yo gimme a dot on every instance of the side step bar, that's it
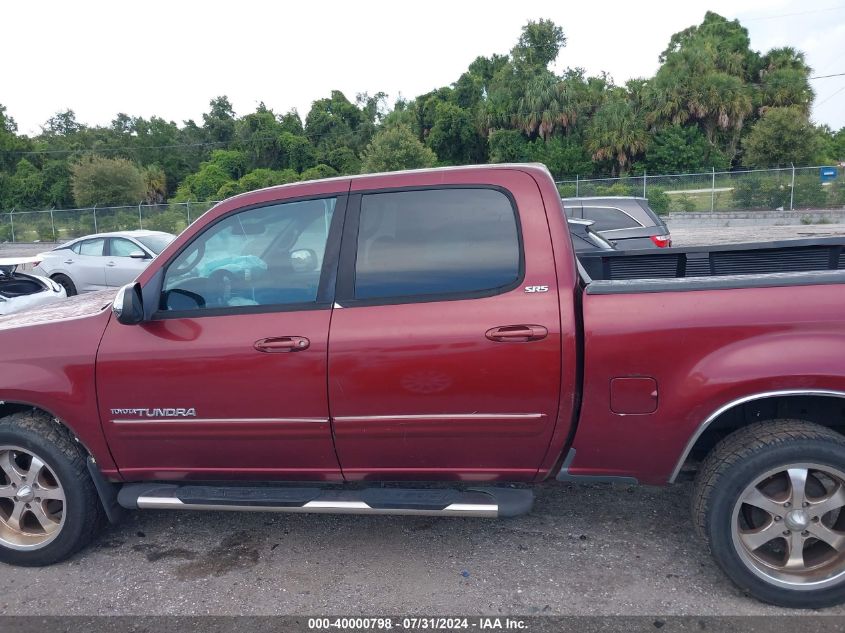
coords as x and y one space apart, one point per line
478 502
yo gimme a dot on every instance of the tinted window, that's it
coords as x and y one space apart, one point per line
267 256
607 219
76 247
92 247
123 248
434 242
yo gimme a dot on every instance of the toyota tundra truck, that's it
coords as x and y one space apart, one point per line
427 343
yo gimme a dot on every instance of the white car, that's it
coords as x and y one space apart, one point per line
105 260
21 291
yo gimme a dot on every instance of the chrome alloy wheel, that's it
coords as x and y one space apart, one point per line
788 526
32 500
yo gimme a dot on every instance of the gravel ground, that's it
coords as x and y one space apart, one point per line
585 550
596 549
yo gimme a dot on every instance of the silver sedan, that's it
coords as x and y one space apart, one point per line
105 260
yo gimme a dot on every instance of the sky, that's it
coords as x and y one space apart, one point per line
169 58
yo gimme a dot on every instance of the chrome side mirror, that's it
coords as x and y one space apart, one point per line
128 306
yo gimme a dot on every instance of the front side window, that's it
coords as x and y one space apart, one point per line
261 257
609 218
436 242
92 247
124 248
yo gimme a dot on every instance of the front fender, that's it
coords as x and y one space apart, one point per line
47 359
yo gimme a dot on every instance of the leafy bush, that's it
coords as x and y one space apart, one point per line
566 191
171 221
809 193
317 172
658 199
756 192
684 203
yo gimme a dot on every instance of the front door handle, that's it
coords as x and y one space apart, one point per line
517 333
111 264
282 344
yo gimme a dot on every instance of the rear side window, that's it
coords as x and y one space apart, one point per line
436 242
92 247
609 218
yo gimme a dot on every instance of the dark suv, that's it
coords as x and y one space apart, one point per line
626 222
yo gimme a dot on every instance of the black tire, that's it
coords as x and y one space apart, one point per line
83 514
65 282
735 464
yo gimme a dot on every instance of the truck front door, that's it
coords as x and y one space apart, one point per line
445 346
228 380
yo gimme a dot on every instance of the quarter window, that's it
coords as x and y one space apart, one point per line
261 257
436 242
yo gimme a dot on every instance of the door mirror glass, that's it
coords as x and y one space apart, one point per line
128 307
138 255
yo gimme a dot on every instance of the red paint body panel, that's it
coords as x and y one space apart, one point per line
47 360
258 415
410 384
705 349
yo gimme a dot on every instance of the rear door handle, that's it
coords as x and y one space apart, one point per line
68 261
517 333
277 344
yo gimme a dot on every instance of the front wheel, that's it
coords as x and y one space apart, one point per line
770 500
49 507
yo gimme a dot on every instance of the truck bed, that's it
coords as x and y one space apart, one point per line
737 265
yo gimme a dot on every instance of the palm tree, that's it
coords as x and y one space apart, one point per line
617 133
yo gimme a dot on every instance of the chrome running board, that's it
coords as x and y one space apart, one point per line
477 502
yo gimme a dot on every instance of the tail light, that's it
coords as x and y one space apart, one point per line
662 241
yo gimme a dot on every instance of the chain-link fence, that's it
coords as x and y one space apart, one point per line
59 225
789 189
786 189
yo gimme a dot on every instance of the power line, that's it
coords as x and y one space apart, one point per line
826 76
828 98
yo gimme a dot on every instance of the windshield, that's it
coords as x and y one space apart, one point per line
156 243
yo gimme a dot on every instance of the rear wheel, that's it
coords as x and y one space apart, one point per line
49 508
770 500
65 282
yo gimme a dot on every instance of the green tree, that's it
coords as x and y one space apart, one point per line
783 136
539 45
454 138
23 188
106 182
616 133
682 149
219 121
394 149
508 146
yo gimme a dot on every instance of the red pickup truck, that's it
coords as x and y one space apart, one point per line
328 346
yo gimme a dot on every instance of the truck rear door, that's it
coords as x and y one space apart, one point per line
445 346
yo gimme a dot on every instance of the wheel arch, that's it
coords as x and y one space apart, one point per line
7 407
822 406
